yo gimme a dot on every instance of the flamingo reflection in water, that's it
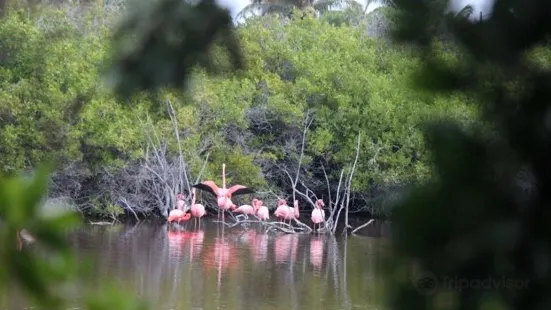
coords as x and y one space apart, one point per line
247 238
196 240
176 241
285 248
260 248
257 244
316 253
220 256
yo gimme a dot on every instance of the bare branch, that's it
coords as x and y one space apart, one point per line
202 168
349 185
181 157
363 226
125 202
327 182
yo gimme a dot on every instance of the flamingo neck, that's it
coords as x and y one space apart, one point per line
224 176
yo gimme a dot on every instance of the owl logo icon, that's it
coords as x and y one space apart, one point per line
426 283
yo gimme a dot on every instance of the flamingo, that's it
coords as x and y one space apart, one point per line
223 194
178 215
262 212
197 209
295 209
283 211
247 209
318 214
181 202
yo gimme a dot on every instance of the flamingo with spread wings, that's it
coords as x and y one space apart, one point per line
223 194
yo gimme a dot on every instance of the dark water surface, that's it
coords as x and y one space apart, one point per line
231 268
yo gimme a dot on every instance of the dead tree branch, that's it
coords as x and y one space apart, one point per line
363 226
349 185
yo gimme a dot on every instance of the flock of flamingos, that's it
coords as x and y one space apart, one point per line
180 214
223 195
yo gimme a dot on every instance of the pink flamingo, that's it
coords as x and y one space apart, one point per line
283 211
295 209
197 209
262 212
247 209
181 202
223 194
178 215
318 214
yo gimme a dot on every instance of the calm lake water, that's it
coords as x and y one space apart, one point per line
231 268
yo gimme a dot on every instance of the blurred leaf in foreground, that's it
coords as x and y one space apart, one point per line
478 235
40 276
161 41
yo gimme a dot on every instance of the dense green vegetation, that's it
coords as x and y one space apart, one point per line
55 105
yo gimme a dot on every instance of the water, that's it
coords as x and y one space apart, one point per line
237 268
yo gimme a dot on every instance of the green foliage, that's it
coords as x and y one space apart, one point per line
50 74
354 83
295 67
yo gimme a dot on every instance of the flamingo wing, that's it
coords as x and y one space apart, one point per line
239 190
207 186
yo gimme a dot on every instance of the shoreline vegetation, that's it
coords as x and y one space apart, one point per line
323 109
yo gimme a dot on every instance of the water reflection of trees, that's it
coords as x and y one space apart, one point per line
236 268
